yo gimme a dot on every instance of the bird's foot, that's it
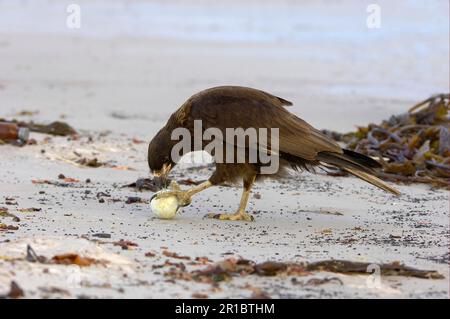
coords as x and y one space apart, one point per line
237 216
184 197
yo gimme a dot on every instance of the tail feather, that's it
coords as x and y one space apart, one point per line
343 160
358 165
362 159
373 180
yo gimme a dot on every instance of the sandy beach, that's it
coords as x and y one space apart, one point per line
133 63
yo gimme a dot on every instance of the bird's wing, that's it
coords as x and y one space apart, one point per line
228 109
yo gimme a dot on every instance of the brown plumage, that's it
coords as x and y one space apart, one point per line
300 145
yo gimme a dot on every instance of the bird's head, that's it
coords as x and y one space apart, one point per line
159 157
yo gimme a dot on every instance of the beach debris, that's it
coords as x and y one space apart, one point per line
257 195
150 254
102 194
62 259
326 231
352 267
93 162
66 182
30 210
317 281
121 167
134 200
175 255
125 244
54 290
180 266
68 179
27 113
57 128
257 293
11 201
74 259
413 147
135 140
32 257
96 163
86 158
145 184
4 212
4 227
102 235
12 133
227 269
15 291
155 184
200 261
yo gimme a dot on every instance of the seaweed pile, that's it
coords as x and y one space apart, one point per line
55 128
413 147
227 269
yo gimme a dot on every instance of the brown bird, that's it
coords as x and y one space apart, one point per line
301 147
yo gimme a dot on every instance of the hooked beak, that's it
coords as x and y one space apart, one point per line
160 177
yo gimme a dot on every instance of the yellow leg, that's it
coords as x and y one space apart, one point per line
196 189
240 213
185 197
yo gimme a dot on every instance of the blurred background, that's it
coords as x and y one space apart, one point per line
133 62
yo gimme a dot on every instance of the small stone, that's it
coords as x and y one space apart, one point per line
102 235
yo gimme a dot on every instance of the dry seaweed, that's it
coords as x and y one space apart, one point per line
93 162
317 281
227 269
15 291
392 269
135 200
413 147
155 184
175 255
4 227
4 212
65 183
30 210
145 184
55 128
125 244
63 259
75 259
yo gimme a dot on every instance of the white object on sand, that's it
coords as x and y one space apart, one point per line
163 205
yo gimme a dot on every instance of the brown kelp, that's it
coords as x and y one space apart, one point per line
413 147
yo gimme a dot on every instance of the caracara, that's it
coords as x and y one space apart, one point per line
300 146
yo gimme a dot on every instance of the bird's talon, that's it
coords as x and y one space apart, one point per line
184 198
213 215
234 217
175 186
